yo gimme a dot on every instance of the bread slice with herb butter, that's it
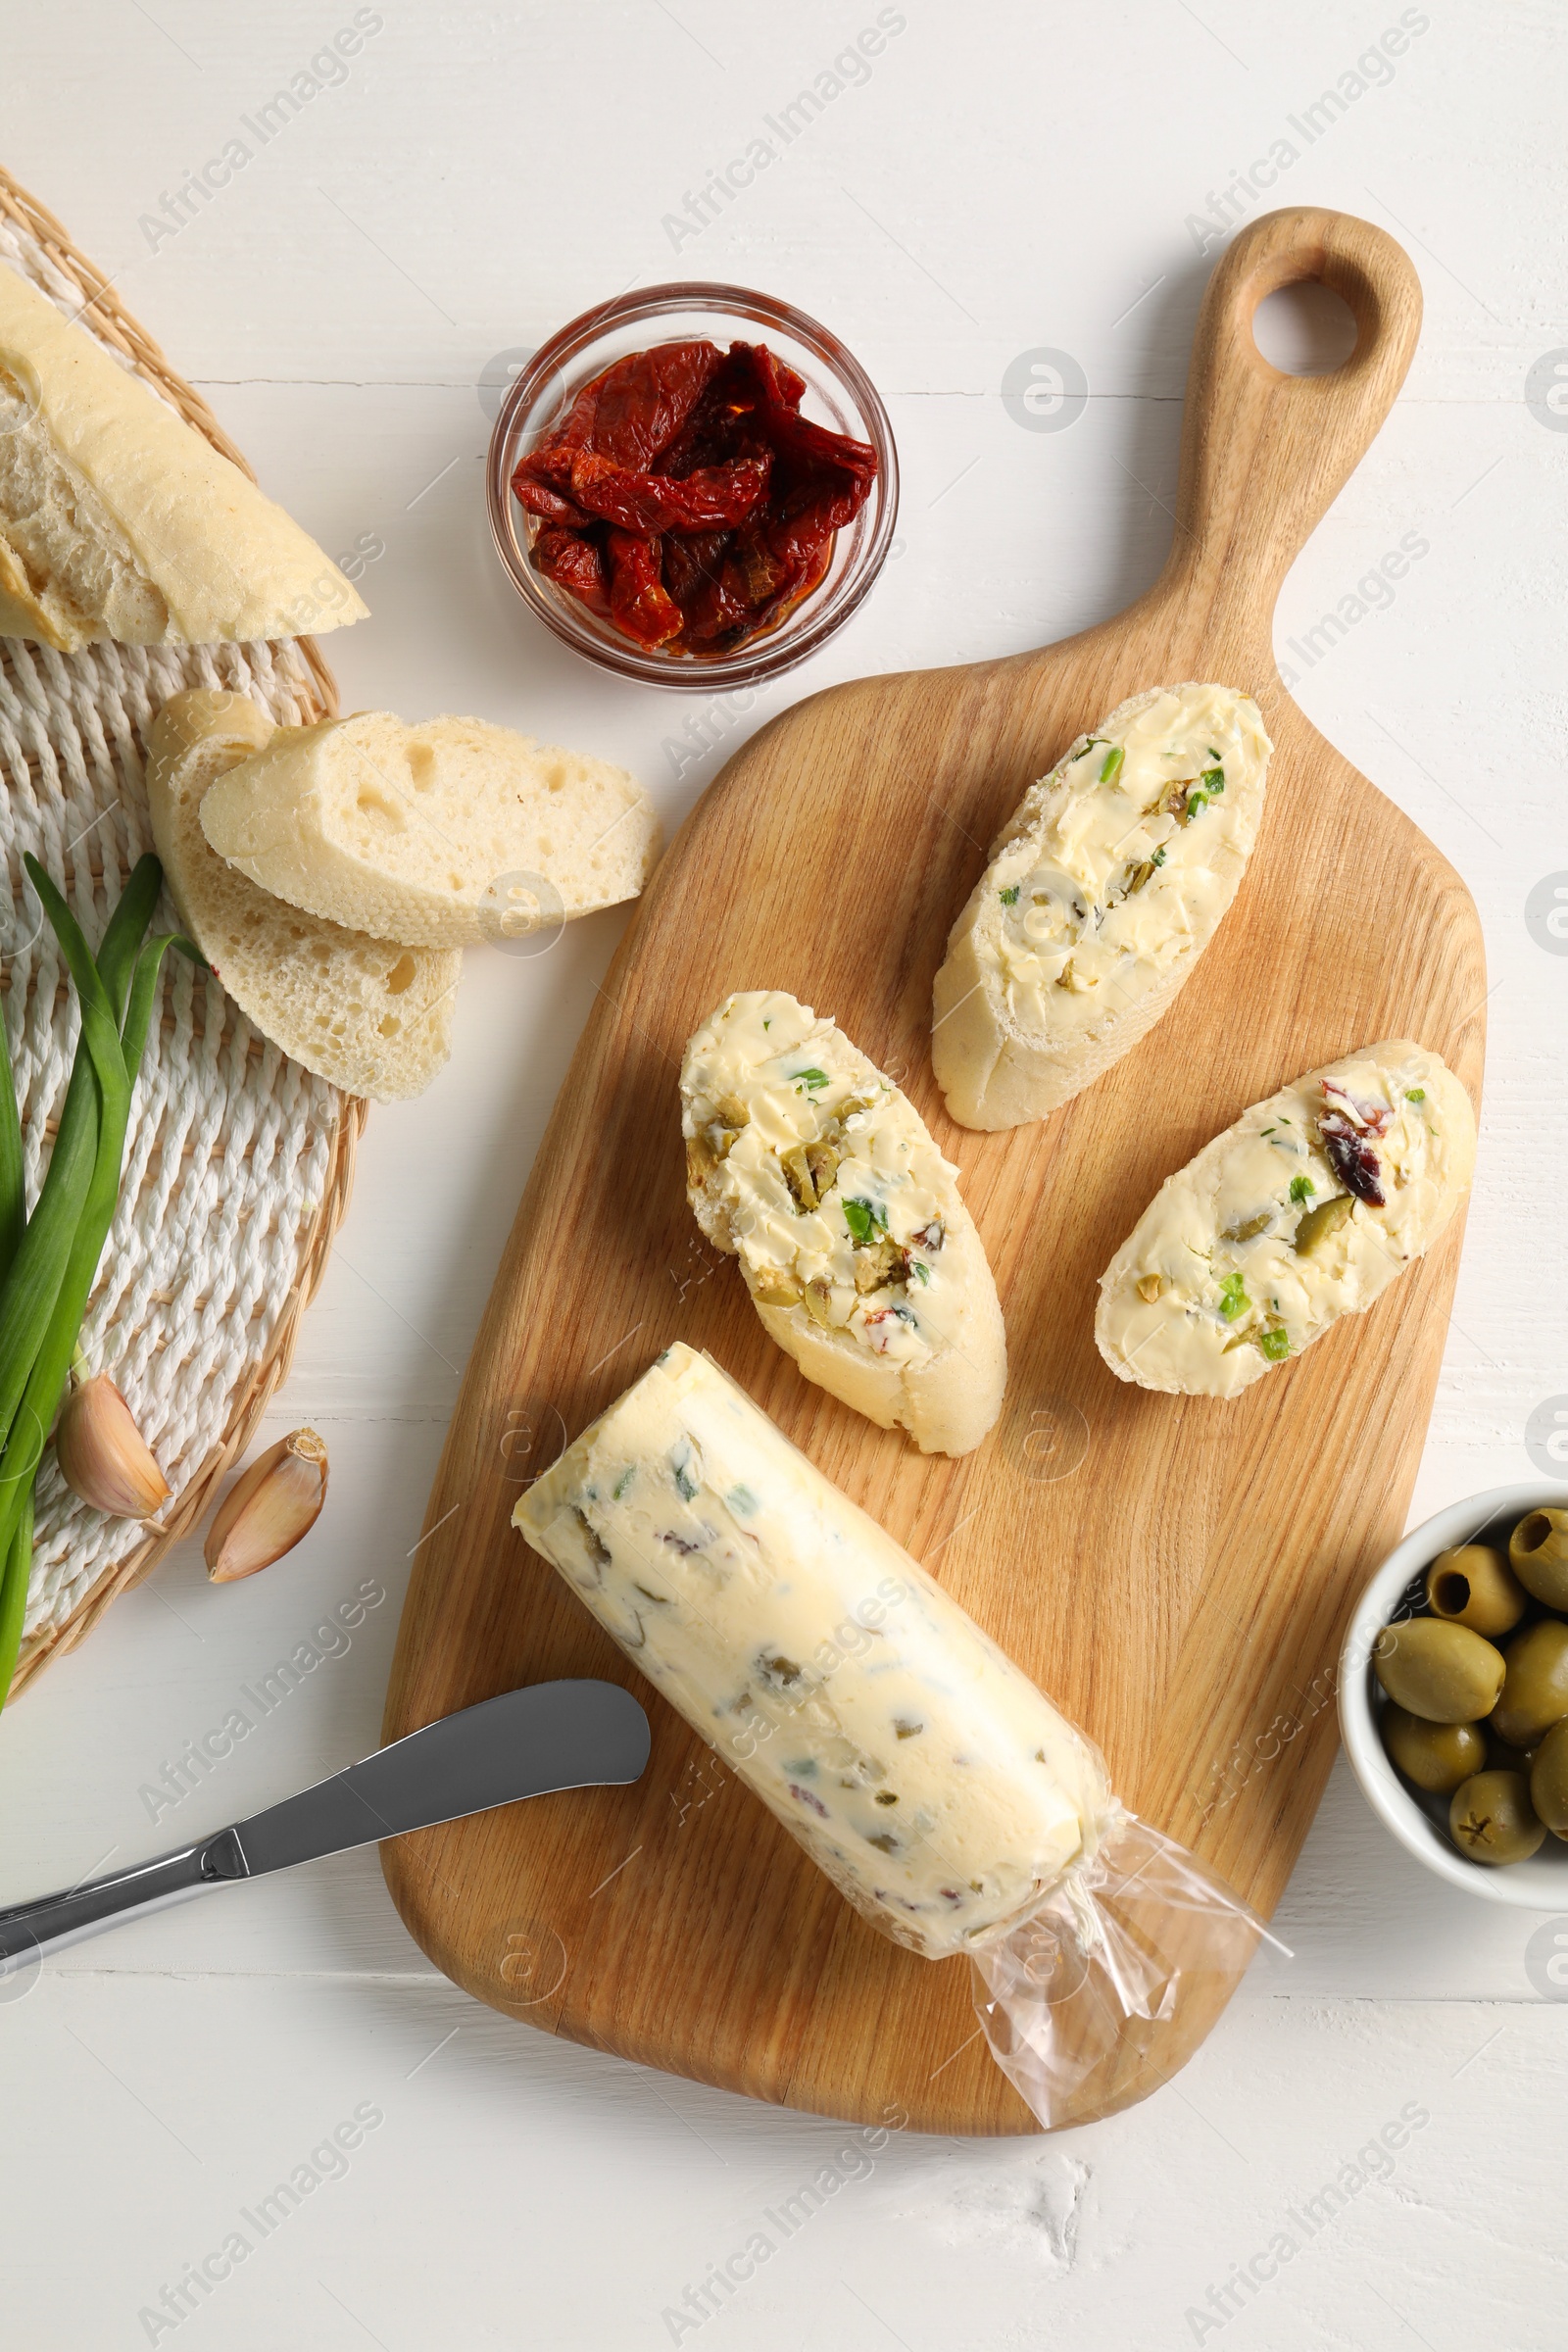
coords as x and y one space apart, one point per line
1305 1210
1101 893
373 1017
119 521
443 835
812 1168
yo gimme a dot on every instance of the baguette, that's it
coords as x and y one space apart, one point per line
1101 893
862 1259
119 521
1304 1210
373 1017
445 834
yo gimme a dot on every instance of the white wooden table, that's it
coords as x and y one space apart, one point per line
983 185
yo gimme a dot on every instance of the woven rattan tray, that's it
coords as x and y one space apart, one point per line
238 1166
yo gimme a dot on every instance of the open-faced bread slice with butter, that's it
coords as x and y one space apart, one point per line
1102 891
811 1167
1304 1210
442 835
373 1017
119 521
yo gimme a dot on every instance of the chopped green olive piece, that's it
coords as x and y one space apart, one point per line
1321 1222
777 1290
1249 1229
1140 875
1113 764
1302 1186
1010 896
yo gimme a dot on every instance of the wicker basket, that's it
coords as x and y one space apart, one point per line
238 1164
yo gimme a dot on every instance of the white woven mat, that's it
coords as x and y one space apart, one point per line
231 1144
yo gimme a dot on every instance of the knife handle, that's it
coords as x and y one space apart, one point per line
31 1928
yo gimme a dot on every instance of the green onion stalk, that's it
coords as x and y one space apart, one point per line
49 1261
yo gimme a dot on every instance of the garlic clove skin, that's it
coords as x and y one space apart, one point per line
269 1509
102 1455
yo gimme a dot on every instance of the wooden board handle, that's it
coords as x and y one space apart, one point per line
1263 454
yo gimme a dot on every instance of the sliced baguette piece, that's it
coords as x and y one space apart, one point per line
447 834
862 1259
1304 1210
1103 889
119 521
373 1017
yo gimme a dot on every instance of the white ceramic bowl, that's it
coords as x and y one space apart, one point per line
1420 1823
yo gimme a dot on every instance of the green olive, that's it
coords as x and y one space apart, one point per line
1472 1585
1549 1780
1320 1224
1443 1673
1538 1554
1492 1820
1437 1756
1534 1694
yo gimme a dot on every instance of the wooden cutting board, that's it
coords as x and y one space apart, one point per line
1175 1572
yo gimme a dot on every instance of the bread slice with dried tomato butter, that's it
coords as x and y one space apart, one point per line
1102 891
809 1165
1303 1212
373 1017
441 835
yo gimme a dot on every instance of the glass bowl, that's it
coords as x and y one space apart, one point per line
838 394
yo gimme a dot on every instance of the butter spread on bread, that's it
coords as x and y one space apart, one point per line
1304 1210
860 1255
1101 893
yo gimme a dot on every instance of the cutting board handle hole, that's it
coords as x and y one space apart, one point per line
1304 329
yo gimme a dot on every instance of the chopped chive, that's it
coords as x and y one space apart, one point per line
1158 859
1010 896
1111 767
1415 1093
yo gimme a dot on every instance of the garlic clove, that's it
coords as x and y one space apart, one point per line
102 1455
269 1508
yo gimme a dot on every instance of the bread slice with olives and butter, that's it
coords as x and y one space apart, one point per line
373 1017
809 1165
1303 1212
119 521
1102 891
440 835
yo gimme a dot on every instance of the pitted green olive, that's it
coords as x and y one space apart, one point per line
1549 1780
1538 1554
1492 1818
1437 1756
1473 1585
1534 1693
1443 1673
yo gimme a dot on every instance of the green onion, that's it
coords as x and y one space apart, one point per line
1213 779
55 1263
1300 1186
863 1219
812 1078
1010 896
1415 1093
1112 766
1275 1345
1233 1299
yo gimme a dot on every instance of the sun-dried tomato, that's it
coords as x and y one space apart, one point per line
684 494
639 605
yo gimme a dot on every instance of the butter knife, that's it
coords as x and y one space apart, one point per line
529 1742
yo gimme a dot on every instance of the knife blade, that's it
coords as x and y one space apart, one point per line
535 1741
